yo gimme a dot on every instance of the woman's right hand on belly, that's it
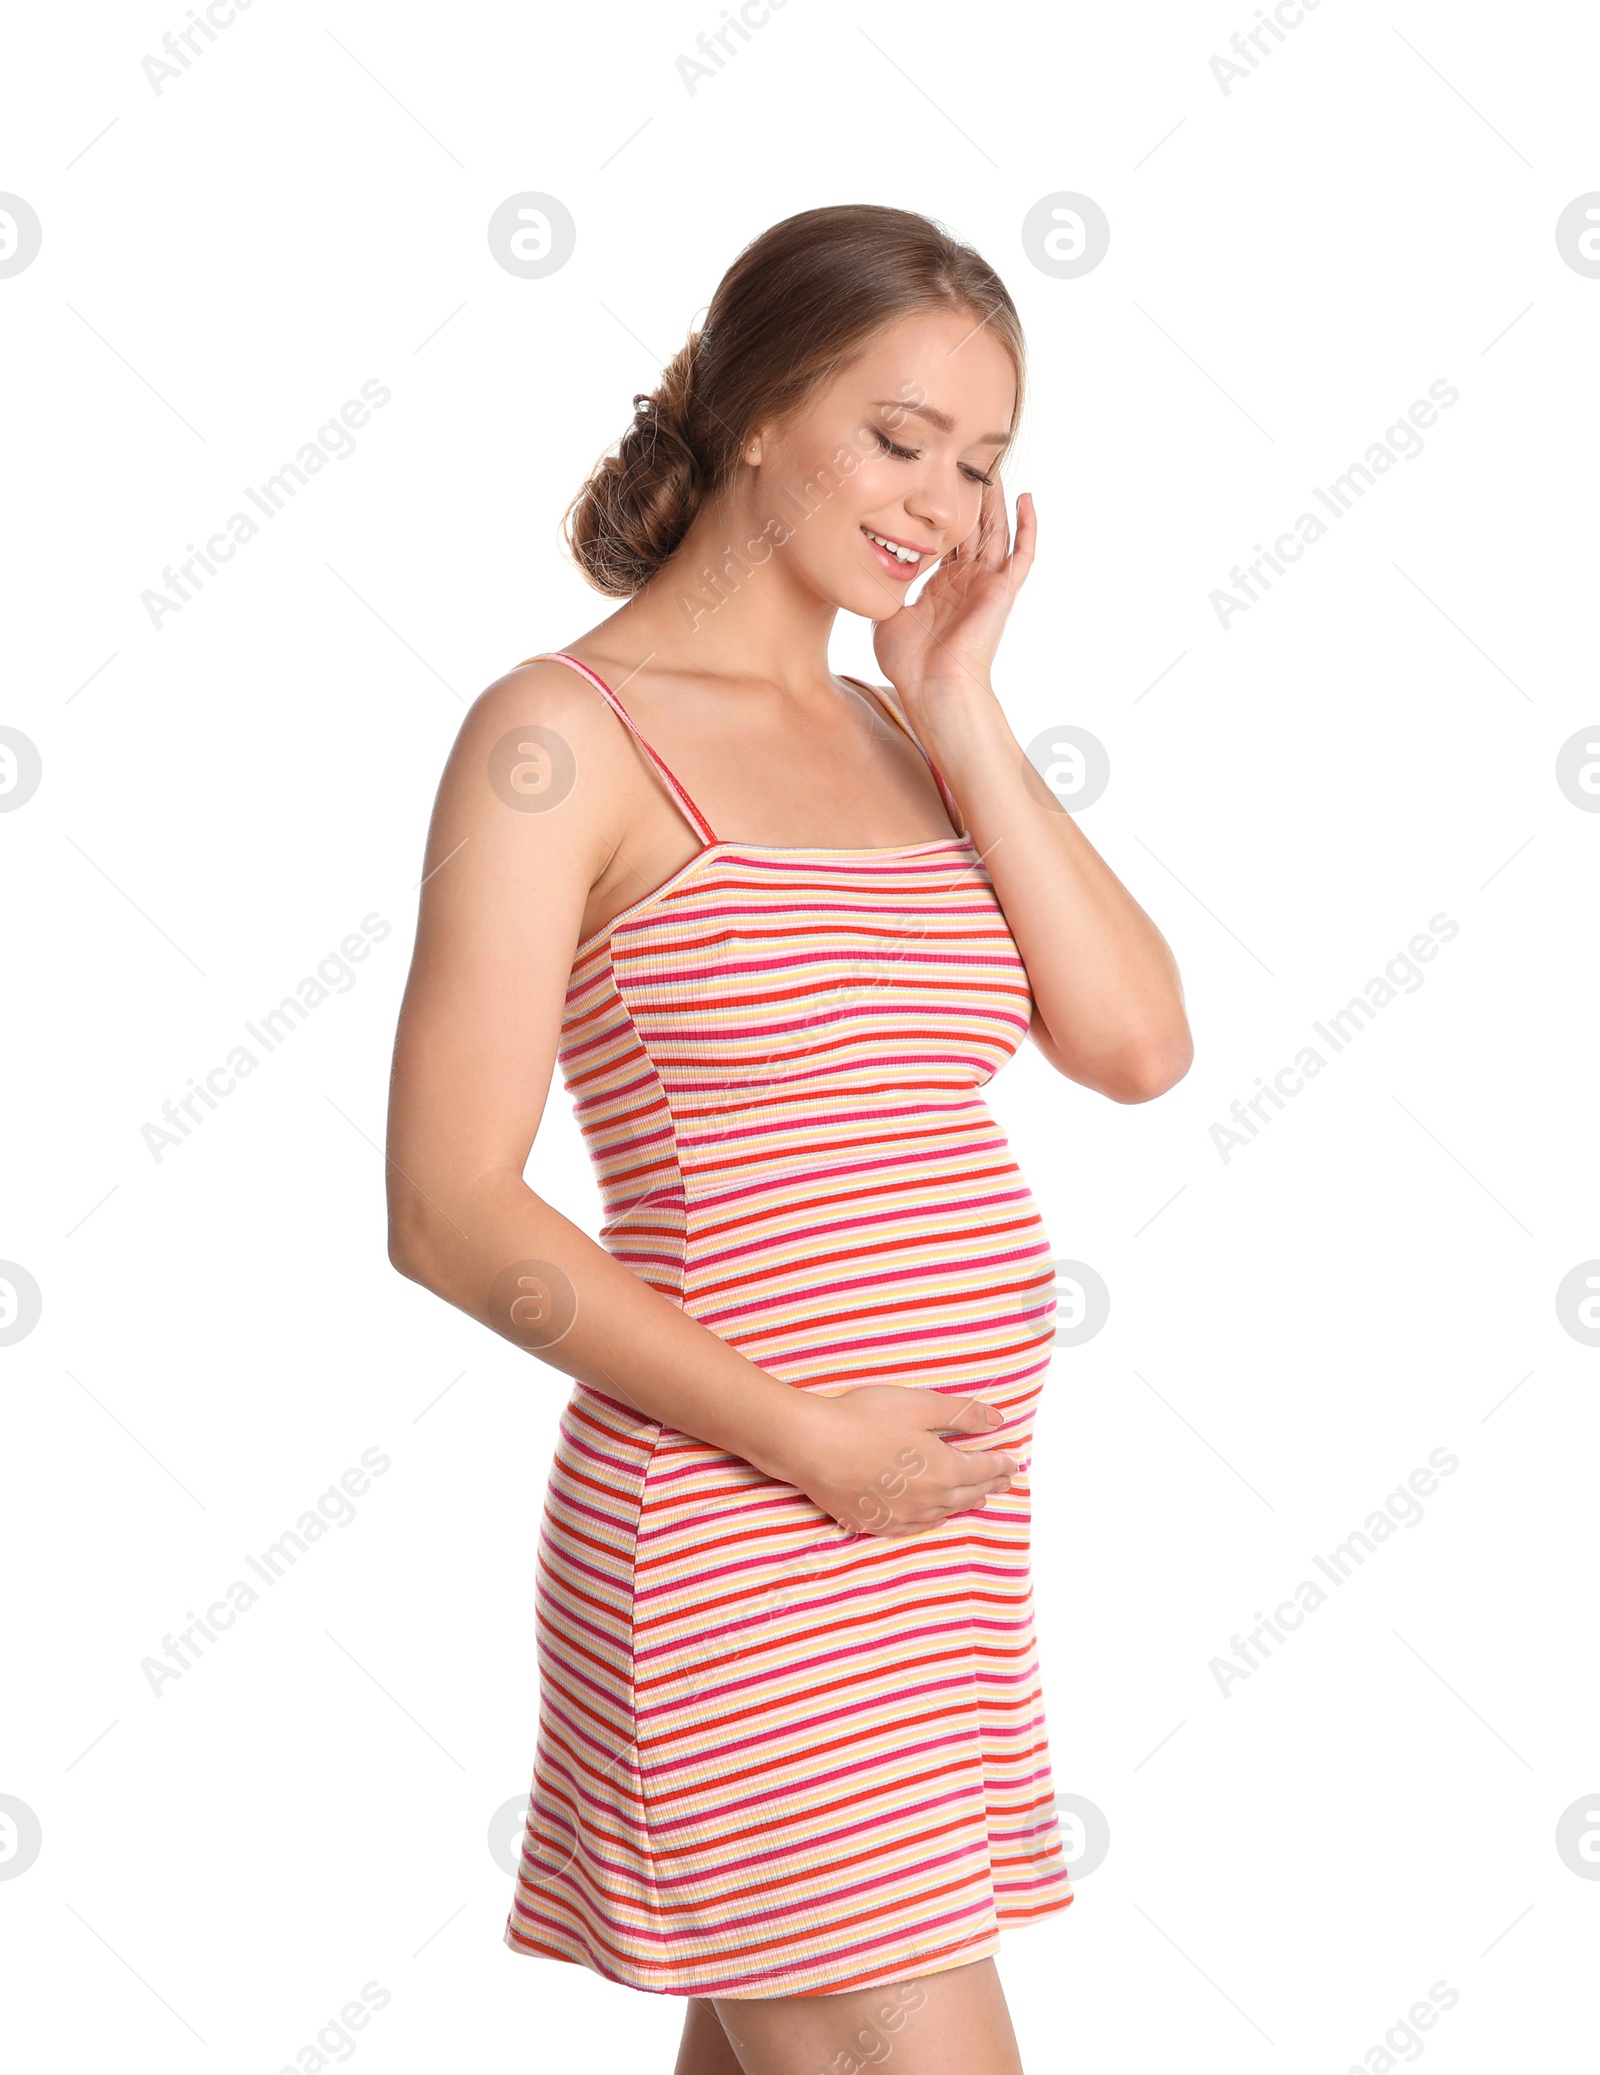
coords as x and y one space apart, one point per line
875 1461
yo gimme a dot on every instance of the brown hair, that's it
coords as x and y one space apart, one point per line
796 305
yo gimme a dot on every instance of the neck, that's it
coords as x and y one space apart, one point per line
729 604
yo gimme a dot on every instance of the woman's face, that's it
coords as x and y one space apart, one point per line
902 446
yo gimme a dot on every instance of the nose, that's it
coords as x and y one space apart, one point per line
935 500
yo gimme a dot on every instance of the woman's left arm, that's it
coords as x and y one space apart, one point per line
1108 1000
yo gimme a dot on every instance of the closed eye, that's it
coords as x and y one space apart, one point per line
973 475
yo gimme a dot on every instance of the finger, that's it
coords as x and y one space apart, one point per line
1026 542
968 1500
982 537
970 1492
973 1425
965 1491
970 1416
909 1523
994 536
976 1463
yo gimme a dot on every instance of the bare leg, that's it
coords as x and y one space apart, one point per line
951 2023
704 2048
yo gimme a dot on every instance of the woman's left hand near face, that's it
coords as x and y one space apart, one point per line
950 631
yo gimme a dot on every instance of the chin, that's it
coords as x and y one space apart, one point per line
866 599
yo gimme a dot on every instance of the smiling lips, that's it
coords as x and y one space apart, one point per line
898 558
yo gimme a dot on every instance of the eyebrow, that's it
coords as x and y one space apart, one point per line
942 422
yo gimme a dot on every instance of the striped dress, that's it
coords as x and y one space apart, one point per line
776 1757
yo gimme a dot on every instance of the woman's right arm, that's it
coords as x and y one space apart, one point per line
503 896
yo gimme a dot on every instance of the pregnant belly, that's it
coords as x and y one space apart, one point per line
946 1286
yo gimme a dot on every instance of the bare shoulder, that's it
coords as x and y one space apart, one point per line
548 695
538 739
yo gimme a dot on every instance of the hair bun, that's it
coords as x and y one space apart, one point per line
637 506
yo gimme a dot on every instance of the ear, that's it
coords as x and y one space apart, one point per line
753 447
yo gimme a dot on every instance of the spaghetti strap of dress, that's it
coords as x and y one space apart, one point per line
952 806
702 827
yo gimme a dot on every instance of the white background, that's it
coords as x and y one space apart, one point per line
1292 1329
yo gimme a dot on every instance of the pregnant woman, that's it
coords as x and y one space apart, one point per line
779 929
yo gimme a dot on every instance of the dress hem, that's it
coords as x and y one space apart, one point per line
937 1960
